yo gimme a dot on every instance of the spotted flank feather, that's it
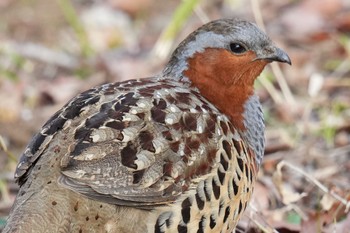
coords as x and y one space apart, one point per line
149 143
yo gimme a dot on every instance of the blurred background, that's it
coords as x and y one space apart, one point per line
52 50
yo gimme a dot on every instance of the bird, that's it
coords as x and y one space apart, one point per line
177 152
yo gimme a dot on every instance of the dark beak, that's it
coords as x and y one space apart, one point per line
274 54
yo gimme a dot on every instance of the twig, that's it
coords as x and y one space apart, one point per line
276 70
72 18
201 14
316 182
281 79
275 95
257 14
264 226
340 151
5 149
46 55
165 41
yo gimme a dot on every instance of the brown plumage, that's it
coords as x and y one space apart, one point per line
178 152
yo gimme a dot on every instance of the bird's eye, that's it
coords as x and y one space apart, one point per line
237 48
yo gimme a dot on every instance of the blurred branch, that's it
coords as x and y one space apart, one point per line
274 93
275 68
165 41
257 14
201 14
4 191
71 16
261 223
42 54
315 182
3 147
343 67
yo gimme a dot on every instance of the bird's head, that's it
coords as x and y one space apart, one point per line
222 59
230 51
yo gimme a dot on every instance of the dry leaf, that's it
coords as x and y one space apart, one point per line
327 202
288 195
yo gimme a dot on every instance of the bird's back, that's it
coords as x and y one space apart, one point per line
153 144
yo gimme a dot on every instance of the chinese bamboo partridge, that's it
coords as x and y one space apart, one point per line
178 152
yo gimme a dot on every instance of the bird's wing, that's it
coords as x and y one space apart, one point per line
135 143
